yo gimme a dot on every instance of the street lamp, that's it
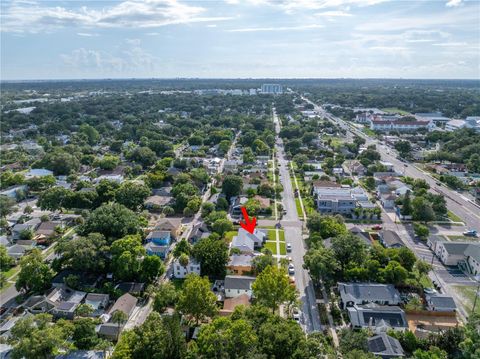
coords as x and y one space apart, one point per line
477 293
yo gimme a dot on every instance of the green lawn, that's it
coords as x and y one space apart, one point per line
468 297
454 217
461 238
272 246
299 207
229 236
369 132
283 248
272 236
395 110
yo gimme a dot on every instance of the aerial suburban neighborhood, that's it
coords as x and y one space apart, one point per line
237 219
240 179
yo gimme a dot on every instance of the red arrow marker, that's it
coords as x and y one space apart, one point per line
248 225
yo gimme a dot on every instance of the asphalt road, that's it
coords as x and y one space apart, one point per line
293 234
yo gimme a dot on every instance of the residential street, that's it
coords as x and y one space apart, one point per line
446 277
293 234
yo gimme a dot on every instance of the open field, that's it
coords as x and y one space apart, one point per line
467 294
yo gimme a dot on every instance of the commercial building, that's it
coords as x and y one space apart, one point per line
272 89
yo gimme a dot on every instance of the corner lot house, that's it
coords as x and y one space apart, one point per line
363 293
450 253
236 285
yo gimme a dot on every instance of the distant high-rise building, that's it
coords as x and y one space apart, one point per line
273 89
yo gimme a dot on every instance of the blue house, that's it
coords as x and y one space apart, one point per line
158 243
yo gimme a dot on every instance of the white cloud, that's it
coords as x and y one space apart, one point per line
130 58
290 6
333 14
453 3
86 34
278 28
450 44
35 17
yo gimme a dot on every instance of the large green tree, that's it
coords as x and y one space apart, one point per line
272 287
212 254
232 185
132 194
87 254
34 275
224 338
113 220
196 300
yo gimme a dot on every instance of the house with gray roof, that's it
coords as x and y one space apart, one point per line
378 318
17 251
451 253
472 255
237 284
390 239
98 302
385 346
441 303
244 244
363 293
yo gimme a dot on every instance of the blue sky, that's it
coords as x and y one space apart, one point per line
240 38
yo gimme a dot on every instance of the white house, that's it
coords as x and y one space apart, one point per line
472 254
237 284
453 125
180 271
451 253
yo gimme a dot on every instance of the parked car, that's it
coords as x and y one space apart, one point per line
470 233
377 227
289 247
291 269
429 291
296 315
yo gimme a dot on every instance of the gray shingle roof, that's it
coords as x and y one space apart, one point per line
455 248
473 250
441 301
385 346
238 282
368 292
377 316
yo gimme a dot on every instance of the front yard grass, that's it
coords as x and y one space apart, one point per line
229 236
461 238
283 248
467 296
299 207
453 217
271 246
273 237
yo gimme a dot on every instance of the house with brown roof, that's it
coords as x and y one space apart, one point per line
240 264
230 304
169 224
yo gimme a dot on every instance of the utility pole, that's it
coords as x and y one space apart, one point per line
477 293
